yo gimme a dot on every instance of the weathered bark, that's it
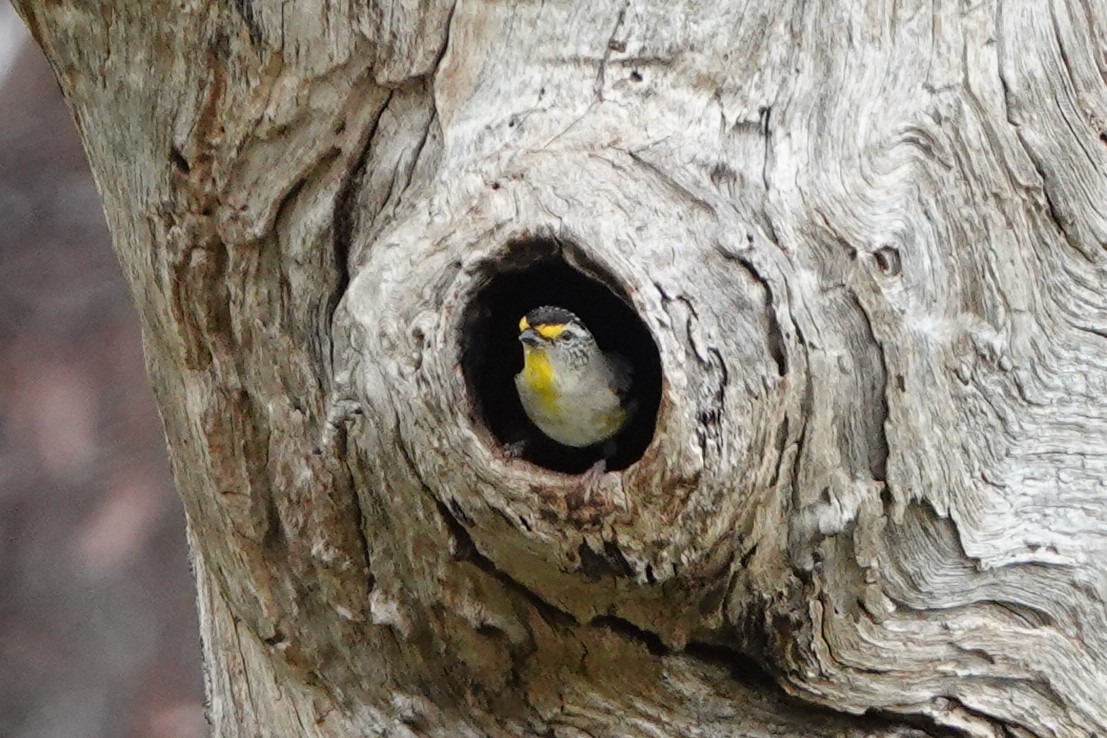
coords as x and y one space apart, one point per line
868 239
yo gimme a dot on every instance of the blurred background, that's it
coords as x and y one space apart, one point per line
98 628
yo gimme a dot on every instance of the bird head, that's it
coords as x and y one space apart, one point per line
555 331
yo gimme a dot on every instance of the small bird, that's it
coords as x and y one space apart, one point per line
573 391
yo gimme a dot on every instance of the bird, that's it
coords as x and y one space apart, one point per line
574 392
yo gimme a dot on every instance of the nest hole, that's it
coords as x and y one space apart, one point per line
536 273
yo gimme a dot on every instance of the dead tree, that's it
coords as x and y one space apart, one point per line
855 250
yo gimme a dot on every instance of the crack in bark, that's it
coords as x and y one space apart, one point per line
612 44
774 333
419 149
629 630
297 184
245 10
668 180
878 453
748 672
610 562
1051 206
437 66
344 220
340 450
801 441
709 416
467 551
766 133
927 725
1036 161
244 672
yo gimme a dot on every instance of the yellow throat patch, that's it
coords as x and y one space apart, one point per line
538 373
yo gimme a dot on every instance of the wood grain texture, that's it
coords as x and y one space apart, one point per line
867 238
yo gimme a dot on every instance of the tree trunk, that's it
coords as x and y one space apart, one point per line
857 253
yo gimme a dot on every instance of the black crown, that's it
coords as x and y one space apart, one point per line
551 315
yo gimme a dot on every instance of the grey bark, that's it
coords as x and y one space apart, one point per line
869 240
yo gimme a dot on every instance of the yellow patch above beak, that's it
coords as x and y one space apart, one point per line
550 331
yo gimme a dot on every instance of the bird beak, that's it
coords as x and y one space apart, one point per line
530 337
